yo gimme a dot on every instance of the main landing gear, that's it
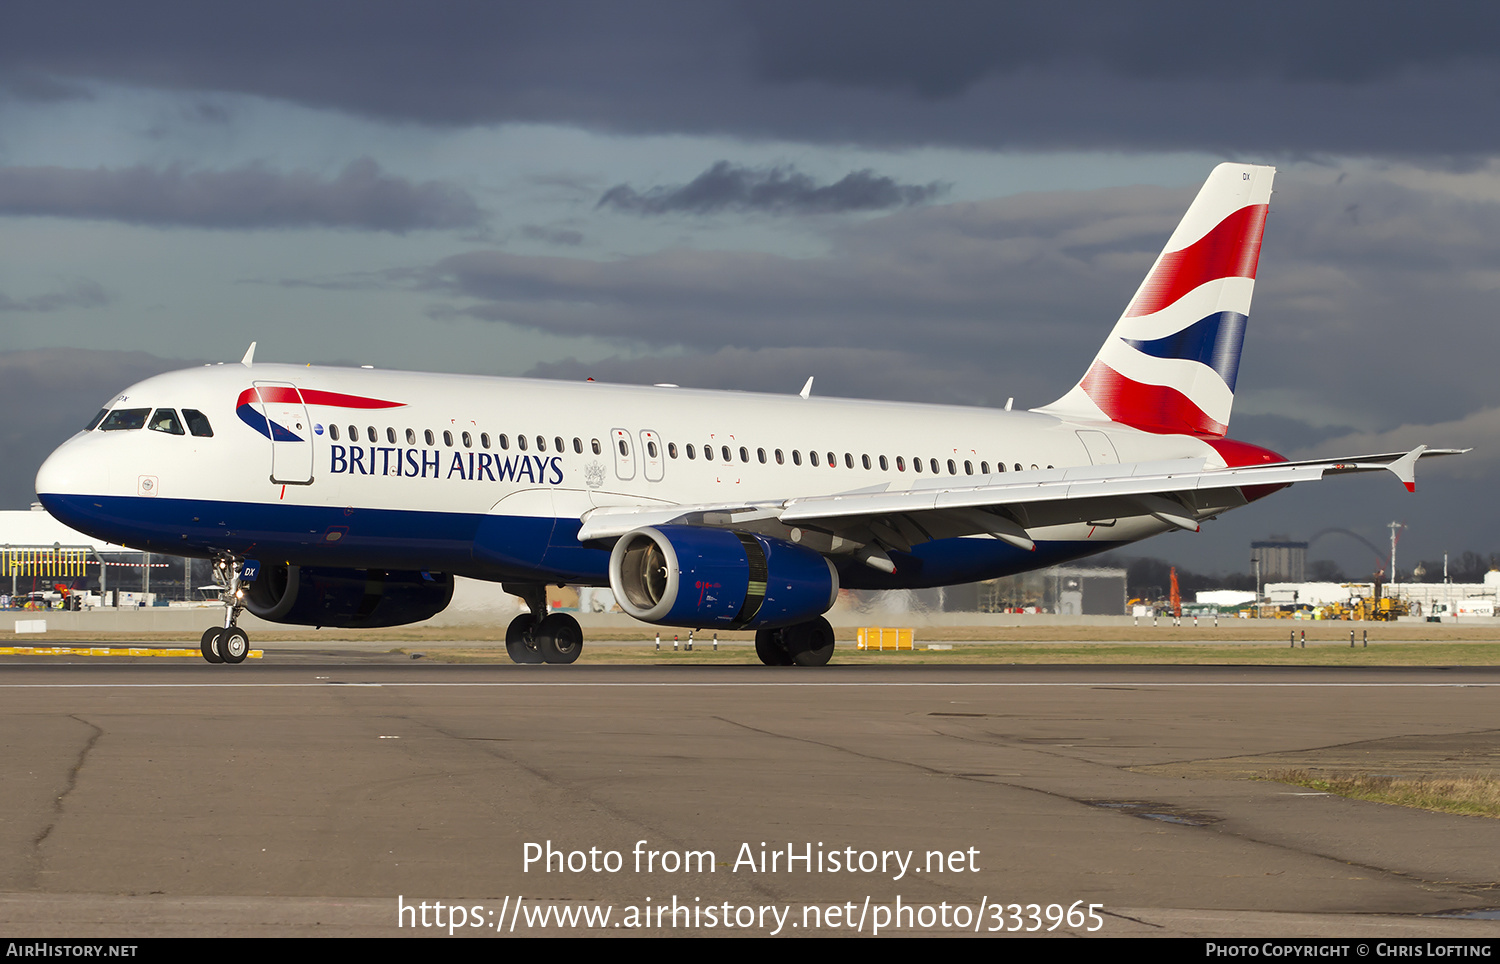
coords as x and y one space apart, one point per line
804 644
538 636
227 644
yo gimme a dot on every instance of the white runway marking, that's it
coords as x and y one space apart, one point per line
1127 684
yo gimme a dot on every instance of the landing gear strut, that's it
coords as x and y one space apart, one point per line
804 644
229 643
540 637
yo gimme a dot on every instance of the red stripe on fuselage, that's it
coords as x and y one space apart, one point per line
281 393
1150 408
1230 250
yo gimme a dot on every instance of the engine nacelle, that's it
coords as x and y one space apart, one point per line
699 577
346 598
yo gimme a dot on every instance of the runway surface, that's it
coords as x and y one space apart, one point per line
325 793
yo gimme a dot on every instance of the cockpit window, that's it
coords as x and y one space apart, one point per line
165 420
94 422
125 419
197 423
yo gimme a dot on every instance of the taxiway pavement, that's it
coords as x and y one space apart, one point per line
320 794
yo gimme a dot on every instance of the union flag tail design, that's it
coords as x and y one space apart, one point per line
1169 366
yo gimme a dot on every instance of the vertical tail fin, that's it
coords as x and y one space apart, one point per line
1170 364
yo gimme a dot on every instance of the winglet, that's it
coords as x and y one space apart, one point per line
1405 468
807 389
249 355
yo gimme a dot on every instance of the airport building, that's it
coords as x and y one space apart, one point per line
1421 598
38 553
1280 559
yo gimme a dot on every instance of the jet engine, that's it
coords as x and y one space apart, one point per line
346 598
696 576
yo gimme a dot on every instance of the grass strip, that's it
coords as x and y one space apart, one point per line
1475 795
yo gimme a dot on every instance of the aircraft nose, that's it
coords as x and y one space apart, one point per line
69 471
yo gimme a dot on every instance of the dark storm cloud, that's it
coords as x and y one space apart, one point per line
942 48
989 279
80 294
361 197
1026 288
771 190
1275 77
552 235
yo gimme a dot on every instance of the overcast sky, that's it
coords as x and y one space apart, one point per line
937 202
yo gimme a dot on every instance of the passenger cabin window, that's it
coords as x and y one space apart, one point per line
484 439
448 438
598 449
427 434
690 452
468 441
578 446
541 443
165 420
504 441
197 423
560 446
333 432
94 422
521 442
125 420
411 437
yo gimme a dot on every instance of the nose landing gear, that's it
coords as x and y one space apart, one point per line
228 644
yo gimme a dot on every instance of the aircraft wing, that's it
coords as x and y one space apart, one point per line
1179 492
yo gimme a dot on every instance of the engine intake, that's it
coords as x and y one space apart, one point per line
347 598
698 577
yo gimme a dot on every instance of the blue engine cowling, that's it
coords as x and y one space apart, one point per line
703 577
346 598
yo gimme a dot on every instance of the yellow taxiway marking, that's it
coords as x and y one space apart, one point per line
110 651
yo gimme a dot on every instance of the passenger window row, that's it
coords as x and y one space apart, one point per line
467 439
832 460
